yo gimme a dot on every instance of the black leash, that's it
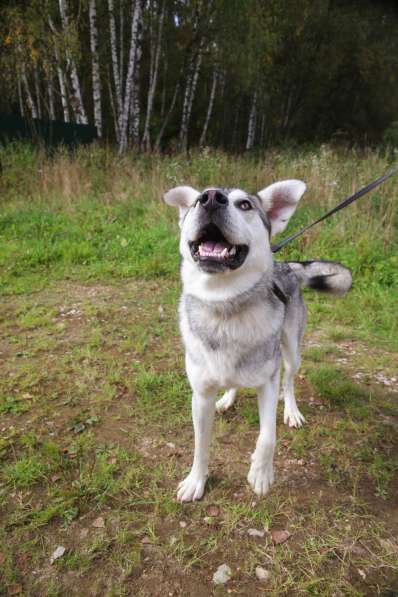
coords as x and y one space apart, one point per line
341 205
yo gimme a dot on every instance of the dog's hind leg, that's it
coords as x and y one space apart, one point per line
291 339
193 486
261 473
226 401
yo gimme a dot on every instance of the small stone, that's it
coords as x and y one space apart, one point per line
280 536
98 523
58 553
183 524
170 445
255 533
262 574
212 510
222 574
146 540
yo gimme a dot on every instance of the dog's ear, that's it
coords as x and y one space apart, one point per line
181 197
280 201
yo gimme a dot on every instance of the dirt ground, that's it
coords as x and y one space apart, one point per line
96 433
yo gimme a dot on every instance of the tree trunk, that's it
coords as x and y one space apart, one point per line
50 93
29 97
130 75
60 74
251 129
117 72
95 67
146 140
21 108
135 107
190 89
168 115
37 91
78 107
209 108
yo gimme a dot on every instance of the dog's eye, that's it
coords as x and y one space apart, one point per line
245 205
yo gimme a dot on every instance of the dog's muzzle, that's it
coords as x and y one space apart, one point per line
213 199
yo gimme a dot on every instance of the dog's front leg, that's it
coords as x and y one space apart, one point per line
203 408
261 473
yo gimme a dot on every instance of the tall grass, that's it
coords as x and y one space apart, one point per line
93 215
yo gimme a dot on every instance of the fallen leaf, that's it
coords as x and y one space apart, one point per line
58 553
146 540
111 460
98 523
280 536
55 478
262 574
222 574
212 510
362 574
14 589
83 533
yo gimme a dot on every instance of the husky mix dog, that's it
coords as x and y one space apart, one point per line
241 312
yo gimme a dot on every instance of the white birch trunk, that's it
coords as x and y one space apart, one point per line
146 140
167 118
78 106
124 121
121 36
251 129
60 74
209 108
117 73
29 97
135 107
95 67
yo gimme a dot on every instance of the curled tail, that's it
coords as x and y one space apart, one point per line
324 276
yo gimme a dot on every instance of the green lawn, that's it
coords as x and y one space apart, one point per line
94 404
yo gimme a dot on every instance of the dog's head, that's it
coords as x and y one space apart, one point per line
224 230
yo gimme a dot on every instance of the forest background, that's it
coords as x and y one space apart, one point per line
168 74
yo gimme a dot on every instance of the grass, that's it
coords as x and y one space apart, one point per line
94 403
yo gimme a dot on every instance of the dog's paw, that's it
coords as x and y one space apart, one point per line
293 417
191 488
226 401
261 477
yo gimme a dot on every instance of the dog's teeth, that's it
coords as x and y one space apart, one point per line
232 251
224 253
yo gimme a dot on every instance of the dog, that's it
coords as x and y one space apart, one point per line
241 313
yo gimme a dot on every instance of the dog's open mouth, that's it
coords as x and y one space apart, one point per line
214 252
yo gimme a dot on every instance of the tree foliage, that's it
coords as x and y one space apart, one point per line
229 73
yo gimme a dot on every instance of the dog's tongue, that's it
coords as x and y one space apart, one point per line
212 247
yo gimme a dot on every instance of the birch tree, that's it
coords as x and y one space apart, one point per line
251 128
146 140
78 106
212 96
124 120
95 67
116 69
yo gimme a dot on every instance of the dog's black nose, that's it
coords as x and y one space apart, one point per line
213 199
